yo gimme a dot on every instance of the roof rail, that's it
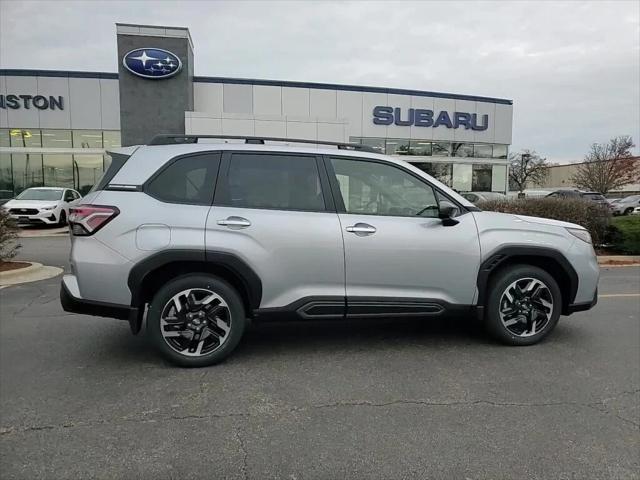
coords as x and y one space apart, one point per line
170 139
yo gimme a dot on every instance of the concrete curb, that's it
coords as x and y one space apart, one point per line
43 233
619 260
34 272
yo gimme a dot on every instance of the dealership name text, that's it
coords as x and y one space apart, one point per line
419 117
40 102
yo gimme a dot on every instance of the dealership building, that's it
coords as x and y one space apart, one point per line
55 126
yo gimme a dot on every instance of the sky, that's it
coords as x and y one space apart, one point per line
571 68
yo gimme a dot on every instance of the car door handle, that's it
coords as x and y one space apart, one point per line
361 229
237 222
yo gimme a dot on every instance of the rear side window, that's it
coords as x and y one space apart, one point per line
274 181
186 180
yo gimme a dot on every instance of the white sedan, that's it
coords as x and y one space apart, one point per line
42 205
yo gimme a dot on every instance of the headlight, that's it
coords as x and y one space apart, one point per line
580 233
52 207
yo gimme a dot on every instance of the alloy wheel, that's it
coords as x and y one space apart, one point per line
195 322
526 307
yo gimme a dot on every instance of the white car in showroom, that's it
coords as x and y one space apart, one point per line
42 205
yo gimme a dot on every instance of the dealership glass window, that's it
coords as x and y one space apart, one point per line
397 146
25 137
482 150
88 170
500 151
111 139
375 143
58 170
462 149
420 147
462 177
87 138
481 177
57 138
441 149
6 176
4 137
439 171
499 178
27 171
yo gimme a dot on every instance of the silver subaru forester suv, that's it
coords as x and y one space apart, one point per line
198 235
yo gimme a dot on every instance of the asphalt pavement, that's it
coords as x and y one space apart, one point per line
80 397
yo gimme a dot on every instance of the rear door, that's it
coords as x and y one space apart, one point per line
400 258
275 212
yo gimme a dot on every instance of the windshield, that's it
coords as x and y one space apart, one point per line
40 194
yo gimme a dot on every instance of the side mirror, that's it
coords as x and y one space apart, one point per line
447 213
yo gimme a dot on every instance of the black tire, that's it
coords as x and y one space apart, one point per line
628 211
237 320
62 221
499 283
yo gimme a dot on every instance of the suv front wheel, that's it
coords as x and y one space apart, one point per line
196 320
523 305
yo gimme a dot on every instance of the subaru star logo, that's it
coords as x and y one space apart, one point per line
152 63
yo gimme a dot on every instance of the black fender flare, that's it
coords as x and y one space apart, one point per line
238 267
503 254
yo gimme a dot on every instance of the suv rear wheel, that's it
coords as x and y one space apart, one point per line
196 320
524 305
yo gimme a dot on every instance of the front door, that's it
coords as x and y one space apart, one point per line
399 257
271 210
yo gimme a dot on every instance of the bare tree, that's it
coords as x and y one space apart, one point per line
527 167
608 166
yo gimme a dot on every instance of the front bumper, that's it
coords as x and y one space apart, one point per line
581 307
45 217
74 304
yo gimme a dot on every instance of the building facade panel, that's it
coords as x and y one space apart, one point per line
322 103
56 87
109 104
295 102
22 117
4 119
85 109
267 100
208 97
349 105
237 98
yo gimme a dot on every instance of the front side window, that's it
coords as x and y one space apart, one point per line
188 180
274 181
381 189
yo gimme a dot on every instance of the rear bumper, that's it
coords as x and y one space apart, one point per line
581 307
75 304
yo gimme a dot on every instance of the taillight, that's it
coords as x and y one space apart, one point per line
88 219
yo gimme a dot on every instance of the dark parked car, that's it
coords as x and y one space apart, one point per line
579 194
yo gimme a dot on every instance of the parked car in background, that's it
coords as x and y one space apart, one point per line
625 206
477 197
579 194
42 205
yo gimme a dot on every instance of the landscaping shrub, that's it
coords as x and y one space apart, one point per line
8 234
592 216
623 235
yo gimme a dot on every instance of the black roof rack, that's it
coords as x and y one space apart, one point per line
170 139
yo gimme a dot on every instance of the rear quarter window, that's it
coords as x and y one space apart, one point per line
190 179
